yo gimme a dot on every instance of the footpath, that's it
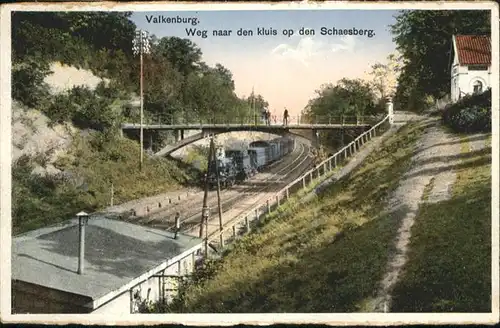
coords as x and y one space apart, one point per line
429 179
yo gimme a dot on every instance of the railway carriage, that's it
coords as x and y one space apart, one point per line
238 164
265 152
259 158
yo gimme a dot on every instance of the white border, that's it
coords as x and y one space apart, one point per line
231 319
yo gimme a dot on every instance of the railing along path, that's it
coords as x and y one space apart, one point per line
283 195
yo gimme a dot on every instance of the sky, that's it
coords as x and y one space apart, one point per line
285 69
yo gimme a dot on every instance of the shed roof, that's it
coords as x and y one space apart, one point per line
116 253
473 49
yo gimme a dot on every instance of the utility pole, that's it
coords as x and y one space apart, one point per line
141 46
253 107
218 200
205 195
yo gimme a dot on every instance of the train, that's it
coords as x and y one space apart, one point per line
237 164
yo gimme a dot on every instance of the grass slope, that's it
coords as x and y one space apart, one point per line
449 267
92 164
326 256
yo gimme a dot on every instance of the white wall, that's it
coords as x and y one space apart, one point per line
117 306
152 289
464 79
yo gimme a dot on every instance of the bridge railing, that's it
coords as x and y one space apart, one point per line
302 185
165 119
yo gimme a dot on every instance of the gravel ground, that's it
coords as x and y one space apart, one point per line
182 200
437 152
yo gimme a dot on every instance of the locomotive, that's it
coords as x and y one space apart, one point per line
237 165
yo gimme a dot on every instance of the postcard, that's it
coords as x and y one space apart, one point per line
250 163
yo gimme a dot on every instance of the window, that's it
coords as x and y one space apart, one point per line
478 67
478 87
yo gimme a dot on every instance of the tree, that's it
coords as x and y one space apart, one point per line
424 39
257 102
349 97
162 88
182 53
225 74
384 76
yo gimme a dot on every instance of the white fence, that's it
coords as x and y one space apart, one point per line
306 181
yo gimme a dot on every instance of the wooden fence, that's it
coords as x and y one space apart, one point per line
304 183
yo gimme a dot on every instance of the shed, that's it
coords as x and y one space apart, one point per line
471 65
124 264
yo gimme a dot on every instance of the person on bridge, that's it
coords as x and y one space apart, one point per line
285 117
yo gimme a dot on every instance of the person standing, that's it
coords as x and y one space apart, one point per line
285 117
268 117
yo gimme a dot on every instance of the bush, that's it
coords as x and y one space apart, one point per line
470 114
28 86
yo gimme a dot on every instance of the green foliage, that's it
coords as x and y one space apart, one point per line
470 114
199 154
28 82
177 86
325 256
424 38
38 201
347 98
182 53
56 36
84 183
97 110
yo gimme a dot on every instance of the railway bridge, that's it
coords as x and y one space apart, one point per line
213 127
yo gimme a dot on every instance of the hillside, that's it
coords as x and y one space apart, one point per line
59 169
72 91
332 254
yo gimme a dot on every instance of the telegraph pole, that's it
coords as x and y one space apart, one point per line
218 199
253 106
204 212
141 46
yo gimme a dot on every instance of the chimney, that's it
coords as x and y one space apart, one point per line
82 222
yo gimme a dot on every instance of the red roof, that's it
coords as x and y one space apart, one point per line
473 49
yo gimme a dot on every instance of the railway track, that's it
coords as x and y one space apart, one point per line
240 195
239 204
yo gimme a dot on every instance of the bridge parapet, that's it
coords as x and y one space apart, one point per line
220 121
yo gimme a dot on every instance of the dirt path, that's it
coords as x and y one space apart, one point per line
437 151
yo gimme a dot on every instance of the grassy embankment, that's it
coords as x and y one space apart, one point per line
449 268
326 256
92 164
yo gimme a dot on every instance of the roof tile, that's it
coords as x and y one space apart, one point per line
473 49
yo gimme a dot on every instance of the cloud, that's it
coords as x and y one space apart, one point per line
308 47
305 50
347 43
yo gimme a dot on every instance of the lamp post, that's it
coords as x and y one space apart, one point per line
141 46
83 219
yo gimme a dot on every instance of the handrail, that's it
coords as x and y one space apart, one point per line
218 233
168 120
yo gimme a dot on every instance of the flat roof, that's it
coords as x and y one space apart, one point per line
116 253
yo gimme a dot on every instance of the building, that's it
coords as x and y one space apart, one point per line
471 65
124 264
